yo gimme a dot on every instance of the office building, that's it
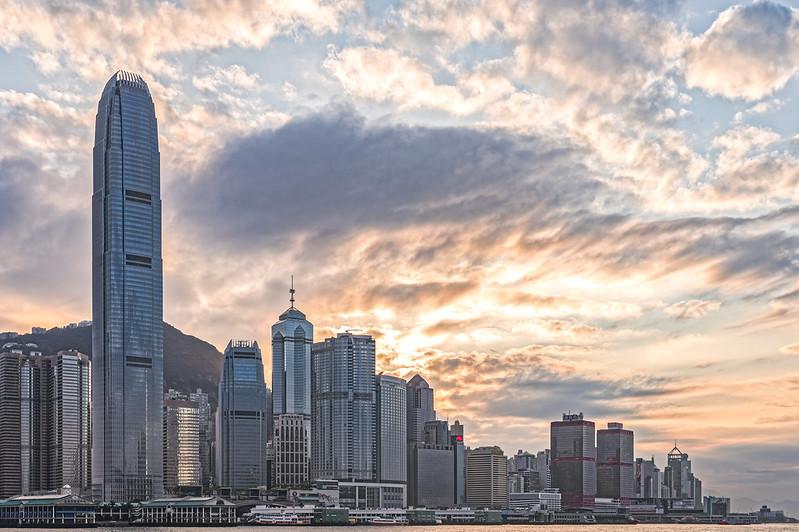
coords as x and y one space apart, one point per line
573 461
71 442
241 424
343 408
292 338
431 479
421 407
615 463
680 481
206 436
486 478
391 417
717 506
543 465
458 444
539 501
436 432
181 441
523 474
648 479
45 415
291 451
127 296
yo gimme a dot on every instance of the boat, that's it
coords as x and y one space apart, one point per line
391 521
281 520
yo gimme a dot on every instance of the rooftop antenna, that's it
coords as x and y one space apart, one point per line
291 291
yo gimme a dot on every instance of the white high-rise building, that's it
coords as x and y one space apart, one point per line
392 444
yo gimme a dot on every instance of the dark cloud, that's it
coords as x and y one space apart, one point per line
46 246
330 173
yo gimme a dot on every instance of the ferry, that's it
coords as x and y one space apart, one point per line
395 521
281 520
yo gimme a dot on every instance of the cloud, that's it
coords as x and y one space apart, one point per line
749 52
234 76
691 309
385 75
790 349
95 41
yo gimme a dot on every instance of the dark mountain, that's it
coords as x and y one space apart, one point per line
189 363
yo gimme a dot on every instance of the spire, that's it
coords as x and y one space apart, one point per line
291 291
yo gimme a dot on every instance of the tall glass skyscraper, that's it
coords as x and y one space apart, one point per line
241 418
127 295
343 408
292 338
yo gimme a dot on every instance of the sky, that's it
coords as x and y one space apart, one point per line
542 207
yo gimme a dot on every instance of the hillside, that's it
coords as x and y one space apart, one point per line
189 363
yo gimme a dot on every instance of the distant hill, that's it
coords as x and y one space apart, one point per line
189 363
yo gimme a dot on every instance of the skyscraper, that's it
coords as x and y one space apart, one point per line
421 407
391 432
127 295
679 479
573 463
241 425
181 441
70 430
45 441
292 338
206 435
486 478
615 463
343 408
458 448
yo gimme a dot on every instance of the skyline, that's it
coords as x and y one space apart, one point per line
571 207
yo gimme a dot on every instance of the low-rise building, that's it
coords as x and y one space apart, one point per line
65 510
188 511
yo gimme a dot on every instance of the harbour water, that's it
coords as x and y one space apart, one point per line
773 527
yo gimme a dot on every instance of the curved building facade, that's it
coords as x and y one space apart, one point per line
127 296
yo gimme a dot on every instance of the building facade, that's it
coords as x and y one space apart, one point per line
456 435
680 481
291 450
573 461
292 338
431 482
127 296
543 465
182 465
391 430
343 408
421 407
241 422
486 478
206 434
615 463
71 433
436 432
45 415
